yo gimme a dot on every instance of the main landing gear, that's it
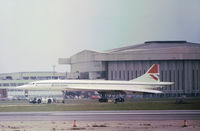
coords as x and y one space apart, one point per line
119 100
63 95
103 98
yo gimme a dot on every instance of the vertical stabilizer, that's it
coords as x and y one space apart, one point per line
150 76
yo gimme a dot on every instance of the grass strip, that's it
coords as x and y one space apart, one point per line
94 105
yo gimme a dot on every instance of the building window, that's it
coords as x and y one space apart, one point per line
161 75
111 75
178 79
193 81
165 79
136 74
54 77
25 78
115 75
33 78
49 77
198 83
132 75
12 84
161 78
8 77
170 79
62 77
182 79
128 75
174 80
124 75
20 84
5 84
120 75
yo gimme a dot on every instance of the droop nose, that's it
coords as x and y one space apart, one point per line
21 87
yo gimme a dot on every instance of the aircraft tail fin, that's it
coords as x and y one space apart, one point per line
150 76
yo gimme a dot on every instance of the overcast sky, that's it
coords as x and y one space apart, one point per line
35 33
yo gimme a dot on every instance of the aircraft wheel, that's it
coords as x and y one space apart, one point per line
49 101
119 100
39 101
122 99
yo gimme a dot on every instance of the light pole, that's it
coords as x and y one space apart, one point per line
54 66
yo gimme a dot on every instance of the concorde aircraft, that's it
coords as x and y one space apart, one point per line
146 83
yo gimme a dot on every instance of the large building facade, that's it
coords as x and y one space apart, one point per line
8 80
179 63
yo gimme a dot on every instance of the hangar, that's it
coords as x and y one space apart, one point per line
179 62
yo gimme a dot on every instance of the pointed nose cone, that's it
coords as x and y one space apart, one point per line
23 87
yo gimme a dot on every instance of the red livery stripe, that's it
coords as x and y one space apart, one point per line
155 78
154 69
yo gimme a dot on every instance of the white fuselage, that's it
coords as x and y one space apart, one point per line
98 85
145 83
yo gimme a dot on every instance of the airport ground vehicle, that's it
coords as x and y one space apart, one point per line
43 100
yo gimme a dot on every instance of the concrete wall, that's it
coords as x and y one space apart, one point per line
3 93
87 66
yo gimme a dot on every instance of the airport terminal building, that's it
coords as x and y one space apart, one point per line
179 62
8 80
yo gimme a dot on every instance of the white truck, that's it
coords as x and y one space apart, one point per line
44 100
